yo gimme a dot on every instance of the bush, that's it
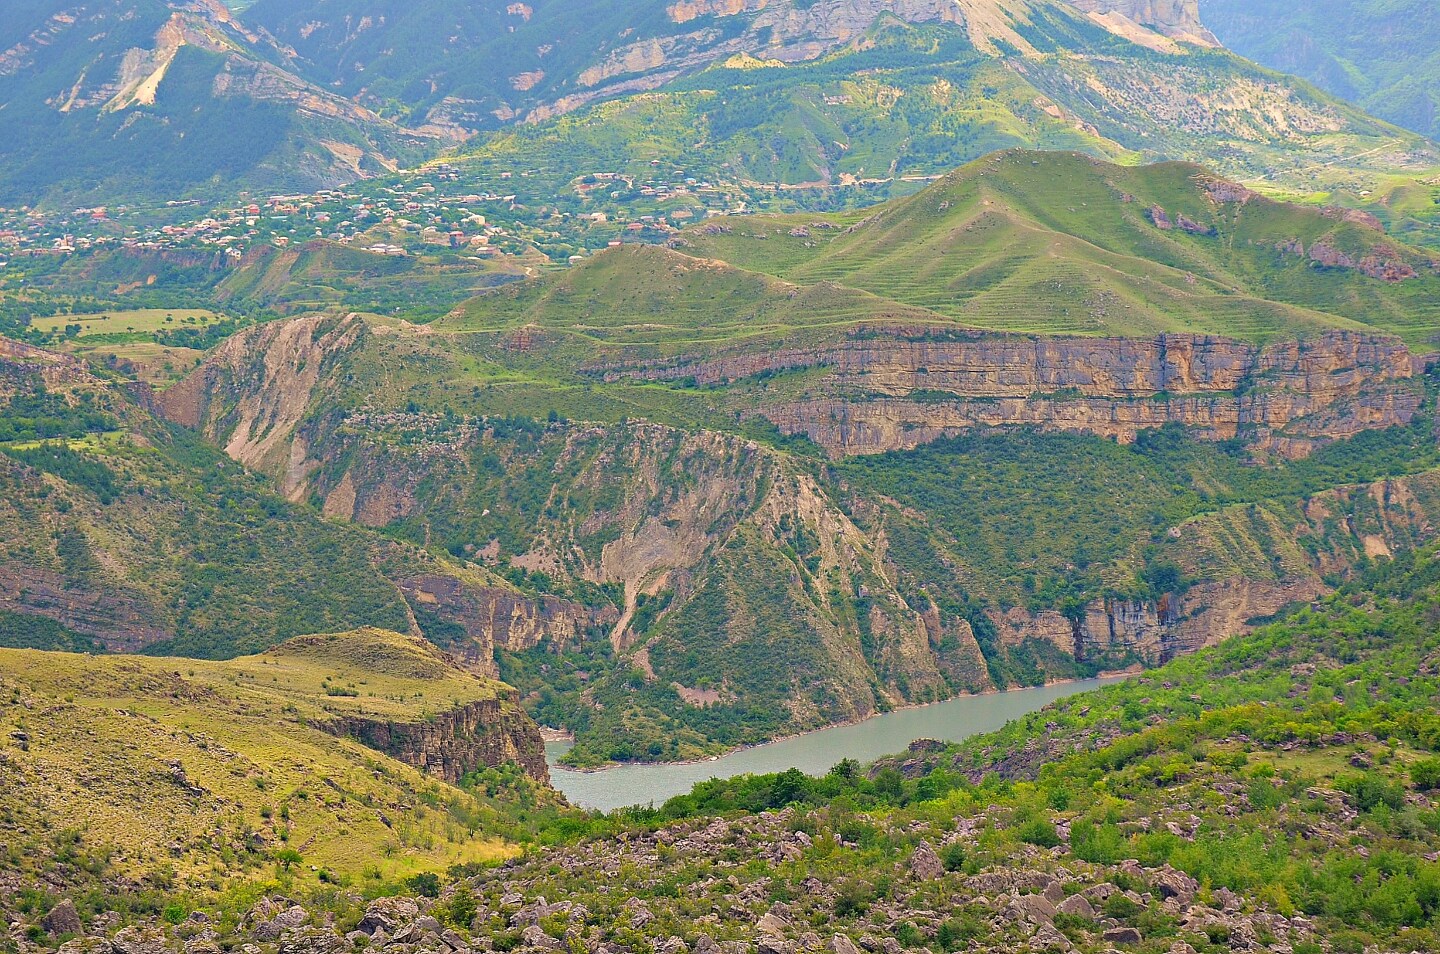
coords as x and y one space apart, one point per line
1426 774
426 884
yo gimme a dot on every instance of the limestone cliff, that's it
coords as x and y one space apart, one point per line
673 570
452 744
897 388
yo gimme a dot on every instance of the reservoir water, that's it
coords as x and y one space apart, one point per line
814 753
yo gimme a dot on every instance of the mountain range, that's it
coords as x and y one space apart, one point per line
1379 55
294 97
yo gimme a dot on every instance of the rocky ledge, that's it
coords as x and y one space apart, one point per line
453 744
895 388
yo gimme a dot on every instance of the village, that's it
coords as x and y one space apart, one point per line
442 209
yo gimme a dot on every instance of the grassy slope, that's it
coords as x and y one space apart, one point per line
105 732
1055 243
1290 774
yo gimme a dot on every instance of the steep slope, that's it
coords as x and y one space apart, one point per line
1383 56
118 532
703 543
864 100
1275 792
153 101
330 747
827 102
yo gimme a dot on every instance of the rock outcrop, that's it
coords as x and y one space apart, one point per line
897 388
452 744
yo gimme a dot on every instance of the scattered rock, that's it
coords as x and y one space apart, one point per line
1122 935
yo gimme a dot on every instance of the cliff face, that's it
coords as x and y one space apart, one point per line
1177 19
1108 632
722 572
453 744
896 389
496 618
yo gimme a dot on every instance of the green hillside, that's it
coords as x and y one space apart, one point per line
161 774
1278 787
121 532
1061 244
914 100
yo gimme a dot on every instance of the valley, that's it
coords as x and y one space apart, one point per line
718 477
839 442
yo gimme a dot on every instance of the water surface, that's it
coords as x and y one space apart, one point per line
814 753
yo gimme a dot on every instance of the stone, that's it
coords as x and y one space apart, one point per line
1046 938
1122 935
62 919
1035 908
1076 906
1176 884
535 936
387 914
840 944
925 864
774 922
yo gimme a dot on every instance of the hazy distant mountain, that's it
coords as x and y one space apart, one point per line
1381 54
148 99
110 100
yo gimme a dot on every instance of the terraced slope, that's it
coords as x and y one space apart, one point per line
1061 244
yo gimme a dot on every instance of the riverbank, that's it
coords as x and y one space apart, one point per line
564 736
814 753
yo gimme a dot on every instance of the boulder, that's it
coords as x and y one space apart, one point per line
535 936
1122 935
925 864
1171 883
1077 906
62 919
1035 908
388 914
1048 939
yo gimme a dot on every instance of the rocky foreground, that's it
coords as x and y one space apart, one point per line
785 882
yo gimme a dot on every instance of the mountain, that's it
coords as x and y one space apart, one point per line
342 751
1383 56
148 101
286 96
877 108
968 440
501 61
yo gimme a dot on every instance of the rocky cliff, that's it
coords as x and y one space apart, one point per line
680 570
897 388
453 744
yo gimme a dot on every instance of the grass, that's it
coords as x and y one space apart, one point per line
153 363
1061 244
104 733
140 321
